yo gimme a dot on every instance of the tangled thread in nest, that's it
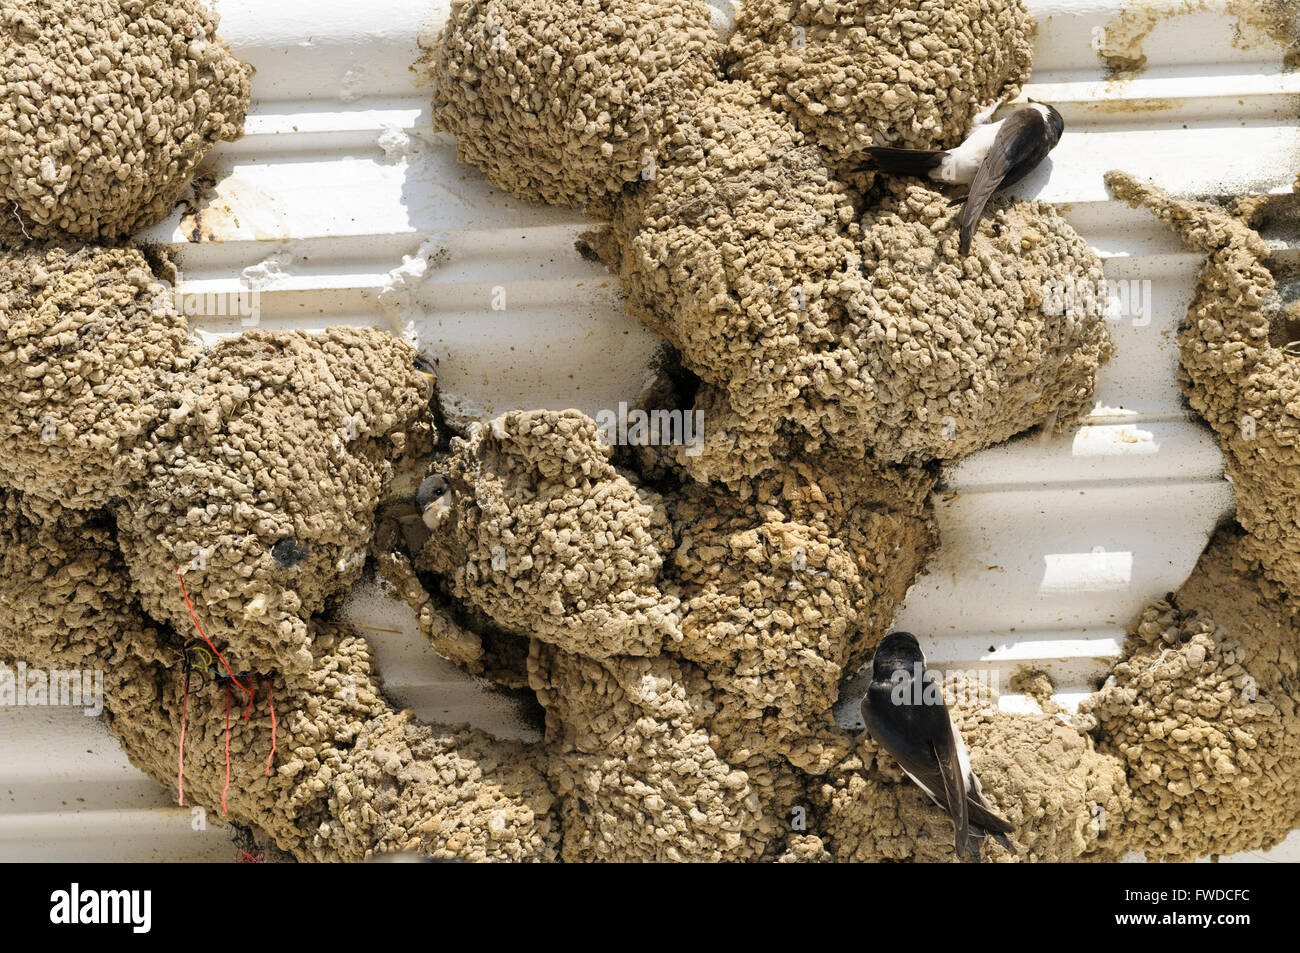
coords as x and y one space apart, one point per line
266 439
355 778
106 109
276 437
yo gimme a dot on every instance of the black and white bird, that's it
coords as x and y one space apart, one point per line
994 156
906 715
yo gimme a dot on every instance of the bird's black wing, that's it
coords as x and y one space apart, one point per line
916 735
1021 143
982 815
984 822
954 784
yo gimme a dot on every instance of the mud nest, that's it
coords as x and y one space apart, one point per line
1204 710
822 332
106 109
911 74
685 622
565 102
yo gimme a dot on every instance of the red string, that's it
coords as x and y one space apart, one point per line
180 771
227 787
247 709
270 697
229 671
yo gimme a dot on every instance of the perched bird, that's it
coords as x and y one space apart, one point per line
425 367
433 499
906 715
994 156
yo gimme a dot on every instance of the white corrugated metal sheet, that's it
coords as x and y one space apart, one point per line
343 207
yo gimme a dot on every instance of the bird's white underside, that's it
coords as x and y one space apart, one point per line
959 165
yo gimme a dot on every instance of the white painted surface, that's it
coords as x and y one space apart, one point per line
342 206
67 793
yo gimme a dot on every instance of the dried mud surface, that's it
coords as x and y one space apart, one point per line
1203 709
106 109
90 363
538 530
909 74
564 102
684 621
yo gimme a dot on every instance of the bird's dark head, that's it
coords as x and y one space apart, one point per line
432 487
898 650
426 367
1055 121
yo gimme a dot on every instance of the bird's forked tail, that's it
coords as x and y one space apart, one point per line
984 823
917 162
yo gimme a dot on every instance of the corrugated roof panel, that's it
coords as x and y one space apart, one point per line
341 205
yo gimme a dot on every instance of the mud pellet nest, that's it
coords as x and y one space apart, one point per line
277 438
819 331
965 354
1204 711
564 101
106 109
92 355
540 531
348 777
684 623
882 72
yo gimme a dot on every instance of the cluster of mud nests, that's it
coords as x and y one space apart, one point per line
684 619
